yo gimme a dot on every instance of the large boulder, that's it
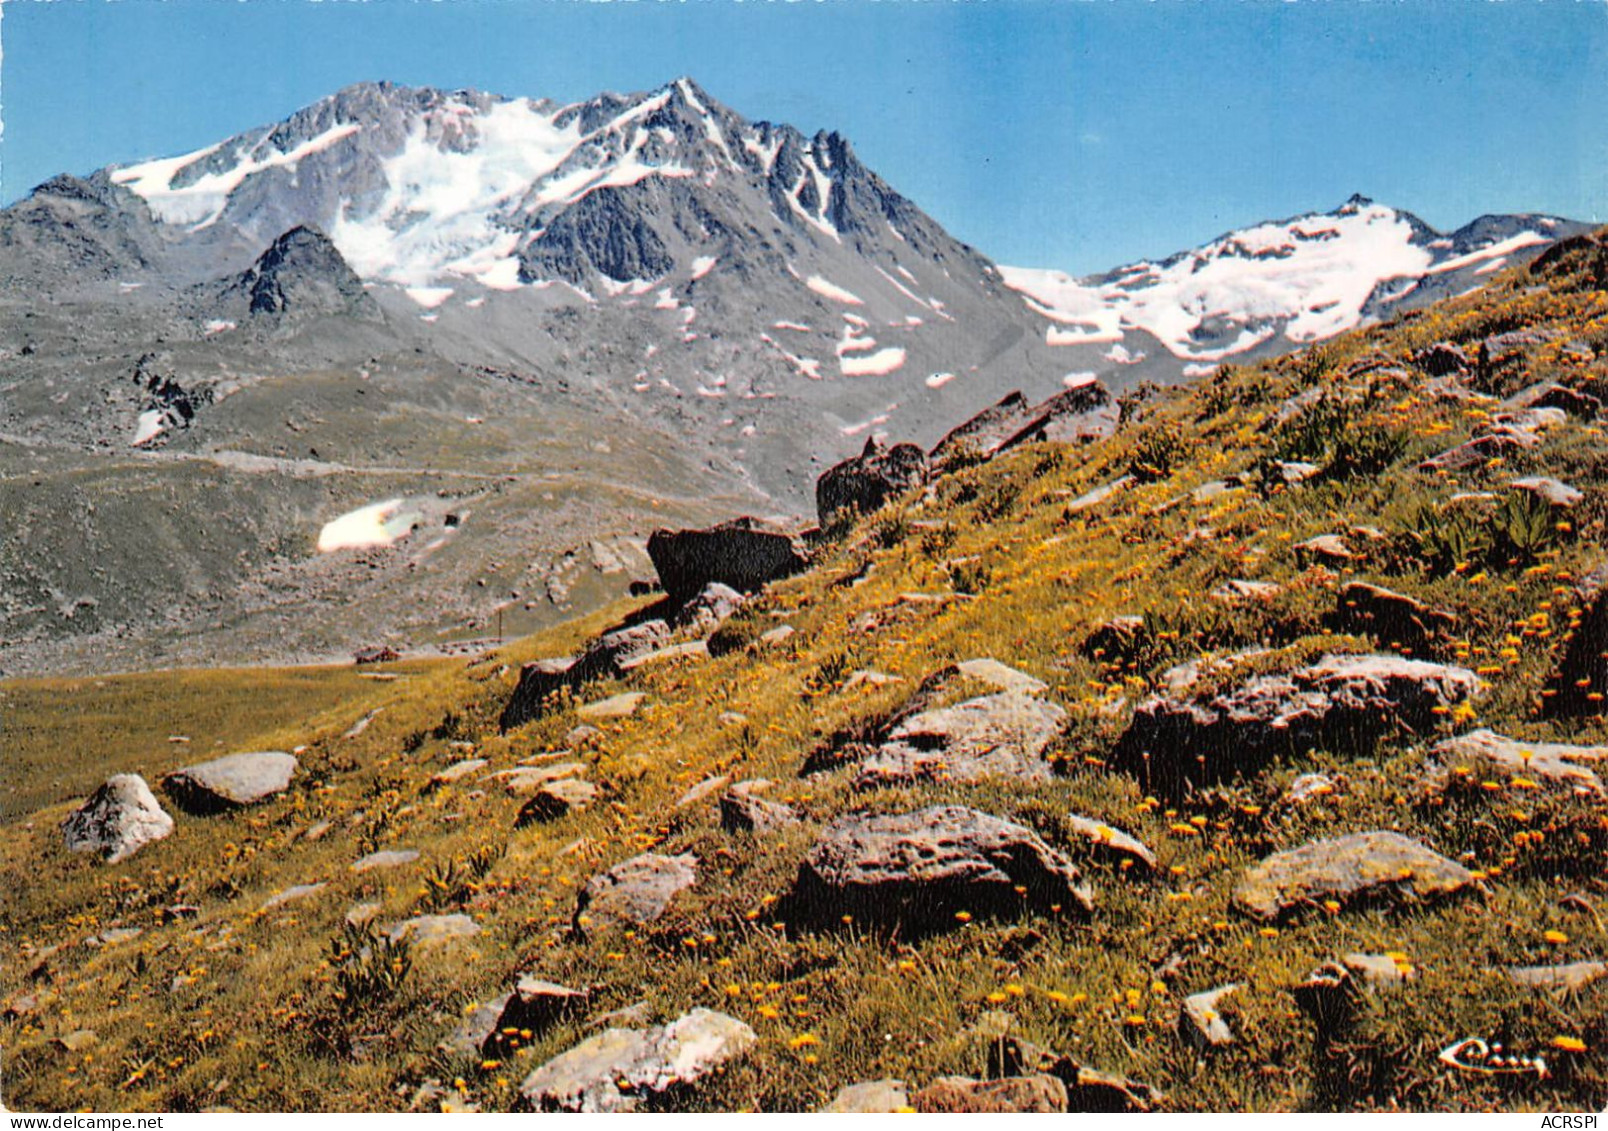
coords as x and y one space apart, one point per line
994 736
1342 703
1374 866
620 1069
231 781
119 819
865 482
919 870
634 892
744 554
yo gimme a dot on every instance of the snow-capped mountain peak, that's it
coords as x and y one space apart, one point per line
1302 279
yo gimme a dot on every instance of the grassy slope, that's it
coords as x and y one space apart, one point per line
238 1007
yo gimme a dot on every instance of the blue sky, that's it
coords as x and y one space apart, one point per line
1065 133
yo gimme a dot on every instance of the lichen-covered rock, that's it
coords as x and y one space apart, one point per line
919 870
432 930
119 819
231 781
634 892
1002 735
618 1069
1375 866
1342 703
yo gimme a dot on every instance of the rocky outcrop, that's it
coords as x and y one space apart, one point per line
864 483
621 1069
301 274
534 1006
1340 703
231 781
119 819
744 554
633 893
1390 617
918 871
1373 866
1001 735
1084 412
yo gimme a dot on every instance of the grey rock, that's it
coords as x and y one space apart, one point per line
618 706
742 811
1571 976
534 1006
709 609
556 799
873 1097
457 771
1551 763
1175 743
1001 735
231 781
1039 1092
1086 412
433 930
388 858
1110 840
1554 492
291 894
1201 1021
540 683
521 780
1308 787
476 1030
1379 970
634 892
1550 394
1238 589
703 791
1374 865
619 1069
917 870
117 820
988 670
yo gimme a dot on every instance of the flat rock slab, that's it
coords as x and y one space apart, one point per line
703 791
873 1097
1551 763
920 870
390 858
119 819
557 799
1557 493
1178 742
1572 976
634 892
619 1069
231 781
986 669
292 894
1372 865
614 707
1111 840
1002 735
528 779
432 930
457 771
